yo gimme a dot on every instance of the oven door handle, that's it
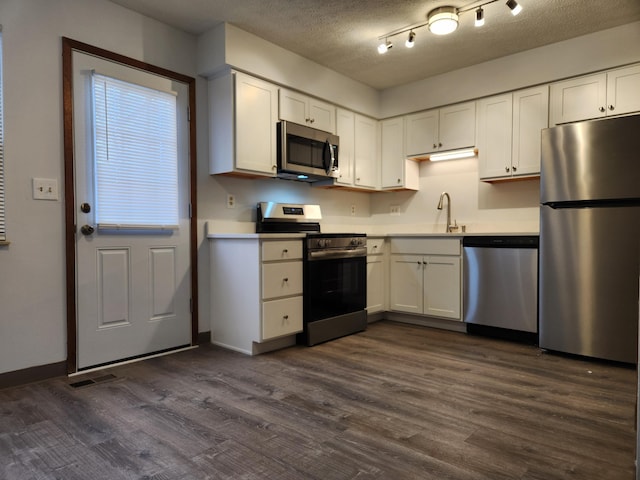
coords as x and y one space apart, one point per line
338 253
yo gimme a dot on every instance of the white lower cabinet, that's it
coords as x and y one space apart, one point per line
427 283
376 275
256 292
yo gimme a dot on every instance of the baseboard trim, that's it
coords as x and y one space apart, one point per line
32 374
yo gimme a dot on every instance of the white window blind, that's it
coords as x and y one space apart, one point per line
3 228
135 156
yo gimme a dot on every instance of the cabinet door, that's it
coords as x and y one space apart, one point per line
345 129
530 116
256 115
457 126
494 136
293 107
322 115
367 173
406 287
392 158
578 99
421 133
442 287
375 284
623 90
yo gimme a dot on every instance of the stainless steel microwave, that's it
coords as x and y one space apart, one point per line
305 153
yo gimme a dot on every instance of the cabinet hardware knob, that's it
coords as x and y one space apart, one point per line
285 279
601 109
286 317
399 181
514 168
313 120
285 251
439 144
435 146
611 107
506 169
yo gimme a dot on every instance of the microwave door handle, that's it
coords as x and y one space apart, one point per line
330 166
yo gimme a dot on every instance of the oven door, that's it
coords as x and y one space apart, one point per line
334 287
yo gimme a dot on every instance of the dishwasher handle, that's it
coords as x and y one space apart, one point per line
501 241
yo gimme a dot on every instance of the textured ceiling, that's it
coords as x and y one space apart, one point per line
343 35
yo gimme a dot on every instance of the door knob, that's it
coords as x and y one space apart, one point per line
87 230
85 208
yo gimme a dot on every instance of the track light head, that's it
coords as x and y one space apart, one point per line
514 6
479 17
411 41
384 47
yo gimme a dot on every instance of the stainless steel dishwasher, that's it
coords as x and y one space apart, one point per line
501 285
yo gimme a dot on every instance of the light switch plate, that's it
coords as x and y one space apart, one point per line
45 189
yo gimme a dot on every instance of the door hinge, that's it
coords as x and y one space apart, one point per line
190 305
188 114
190 211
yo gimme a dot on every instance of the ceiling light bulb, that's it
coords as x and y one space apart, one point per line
515 8
443 20
383 47
411 41
479 17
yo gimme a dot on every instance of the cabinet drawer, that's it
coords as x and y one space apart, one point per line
281 317
426 246
281 250
375 246
281 279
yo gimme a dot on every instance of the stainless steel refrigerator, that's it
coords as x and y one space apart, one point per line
590 238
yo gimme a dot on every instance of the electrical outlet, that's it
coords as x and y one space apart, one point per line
231 201
353 210
394 209
45 189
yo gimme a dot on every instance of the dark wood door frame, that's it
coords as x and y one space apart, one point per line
68 47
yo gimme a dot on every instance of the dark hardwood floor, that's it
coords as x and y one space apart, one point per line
394 402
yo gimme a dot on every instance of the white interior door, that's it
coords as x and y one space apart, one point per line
133 278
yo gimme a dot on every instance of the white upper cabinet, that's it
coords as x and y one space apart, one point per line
443 129
345 129
530 116
623 90
509 128
398 173
243 112
616 92
421 134
301 109
367 159
495 130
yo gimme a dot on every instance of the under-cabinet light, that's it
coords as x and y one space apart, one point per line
453 155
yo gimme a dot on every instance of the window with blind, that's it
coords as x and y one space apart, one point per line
3 228
135 169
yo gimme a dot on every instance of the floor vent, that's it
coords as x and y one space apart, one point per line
93 381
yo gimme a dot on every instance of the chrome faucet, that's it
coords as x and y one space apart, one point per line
442 195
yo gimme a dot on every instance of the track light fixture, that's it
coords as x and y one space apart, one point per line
444 20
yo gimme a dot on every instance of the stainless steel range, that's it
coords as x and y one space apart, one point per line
335 271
